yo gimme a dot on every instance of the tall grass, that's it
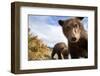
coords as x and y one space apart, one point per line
37 50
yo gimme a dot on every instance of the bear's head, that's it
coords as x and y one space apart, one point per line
72 29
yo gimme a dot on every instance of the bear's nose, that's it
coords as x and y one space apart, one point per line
73 39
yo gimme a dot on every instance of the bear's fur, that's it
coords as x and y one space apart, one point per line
61 50
77 37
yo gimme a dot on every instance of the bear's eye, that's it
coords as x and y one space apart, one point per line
75 25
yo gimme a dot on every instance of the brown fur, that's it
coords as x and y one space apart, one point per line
61 50
77 37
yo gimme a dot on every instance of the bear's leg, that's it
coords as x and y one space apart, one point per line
65 57
73 56
85 54
52 54
59 55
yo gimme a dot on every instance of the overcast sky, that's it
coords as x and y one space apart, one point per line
48 29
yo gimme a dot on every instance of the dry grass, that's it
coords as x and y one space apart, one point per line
37 50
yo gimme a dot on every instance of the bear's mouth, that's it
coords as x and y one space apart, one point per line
73 41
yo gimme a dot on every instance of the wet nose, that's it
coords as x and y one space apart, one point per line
73 39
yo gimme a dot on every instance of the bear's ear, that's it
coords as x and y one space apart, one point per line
61 22
80 18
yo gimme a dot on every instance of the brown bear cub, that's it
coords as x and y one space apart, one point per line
61 50
77 37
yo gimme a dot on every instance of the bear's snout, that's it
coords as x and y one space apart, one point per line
73 39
